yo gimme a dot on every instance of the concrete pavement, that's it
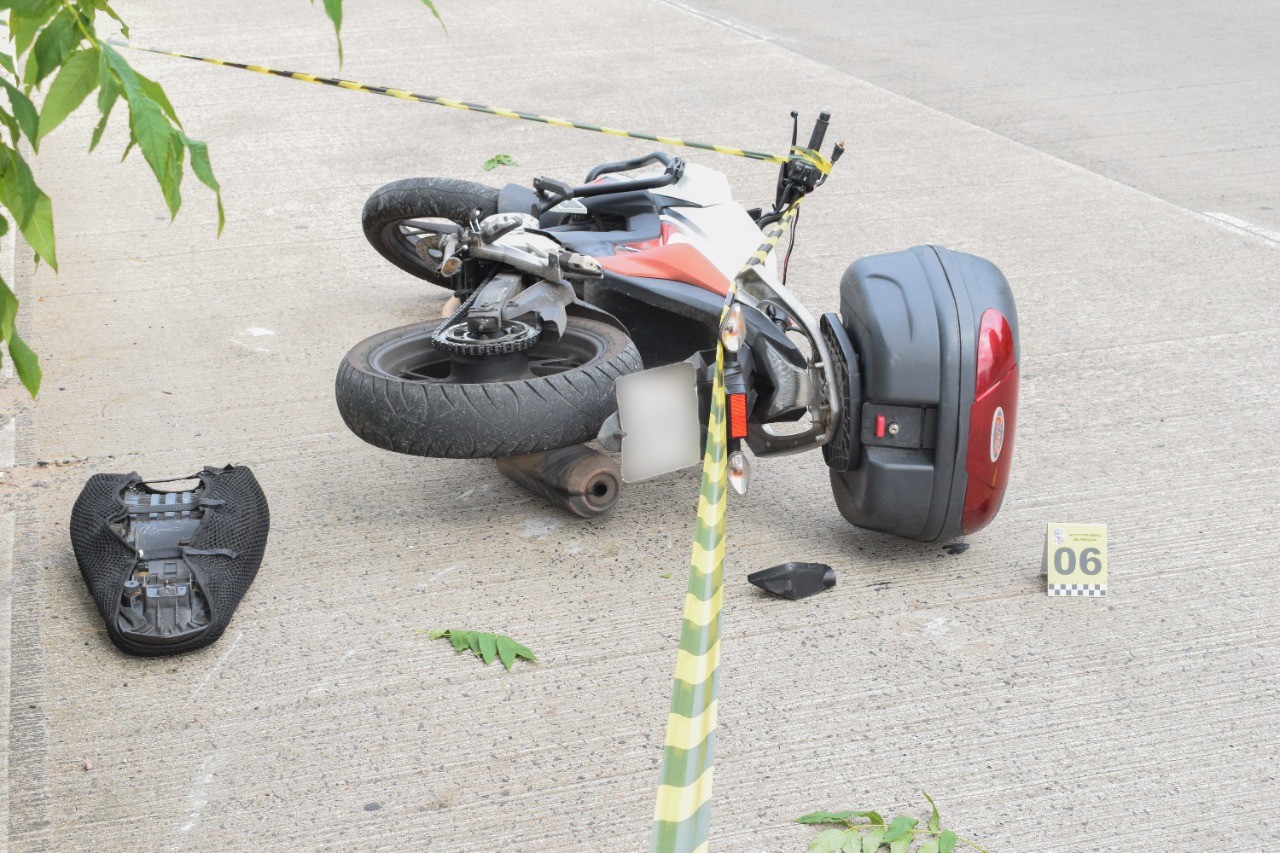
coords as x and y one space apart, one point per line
1180 99
323 720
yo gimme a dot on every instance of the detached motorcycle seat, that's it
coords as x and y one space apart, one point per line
168 568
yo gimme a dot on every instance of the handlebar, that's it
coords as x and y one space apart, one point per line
819 131
558 191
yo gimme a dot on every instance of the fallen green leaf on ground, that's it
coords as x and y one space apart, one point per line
486 646
866 832
499 160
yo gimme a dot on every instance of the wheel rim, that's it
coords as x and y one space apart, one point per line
401 237
413 358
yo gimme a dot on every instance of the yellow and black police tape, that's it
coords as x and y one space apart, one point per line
807 154
682 815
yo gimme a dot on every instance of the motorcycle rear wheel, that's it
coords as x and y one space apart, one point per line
397 391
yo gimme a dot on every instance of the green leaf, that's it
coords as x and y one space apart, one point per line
24 360
25 21
6 62
435 635
26 364
488 648
4 226
10 122
947 841
204 171
38 232
78 77
152 90
935 819
155 137
52 47
31 208
874 817
507 651
434 11
499 160
18 190
333 8
930 846
525 652
105 6
177 156
27 7
900 845
25 112
8 310
129 81
108 94
830 841
826 817
899 827
871 841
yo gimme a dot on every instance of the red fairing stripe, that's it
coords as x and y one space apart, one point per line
665 232
992 420
673 262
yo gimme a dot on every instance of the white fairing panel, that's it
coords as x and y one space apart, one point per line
713 222
700 185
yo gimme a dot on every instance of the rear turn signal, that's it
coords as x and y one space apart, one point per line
739 472
991 423
733 328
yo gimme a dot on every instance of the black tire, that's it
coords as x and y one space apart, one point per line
450 202
388 403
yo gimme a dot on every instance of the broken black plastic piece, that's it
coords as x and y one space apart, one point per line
795 580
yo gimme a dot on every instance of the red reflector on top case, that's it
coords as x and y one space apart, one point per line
737 416
992 422
879 426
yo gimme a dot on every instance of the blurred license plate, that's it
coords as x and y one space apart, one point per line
658 414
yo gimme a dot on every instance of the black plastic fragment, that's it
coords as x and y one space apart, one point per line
795 580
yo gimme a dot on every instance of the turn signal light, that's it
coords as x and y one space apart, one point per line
733 329
739 472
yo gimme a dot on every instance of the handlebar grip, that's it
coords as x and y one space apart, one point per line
819 131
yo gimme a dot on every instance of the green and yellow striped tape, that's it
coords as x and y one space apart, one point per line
807 154
682 814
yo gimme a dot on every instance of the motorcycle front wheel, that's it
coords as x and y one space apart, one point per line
400 214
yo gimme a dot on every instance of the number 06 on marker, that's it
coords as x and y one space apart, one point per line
1075 559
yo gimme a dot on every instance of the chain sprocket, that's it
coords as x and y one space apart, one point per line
458 339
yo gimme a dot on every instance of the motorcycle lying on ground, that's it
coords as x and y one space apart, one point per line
591 312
